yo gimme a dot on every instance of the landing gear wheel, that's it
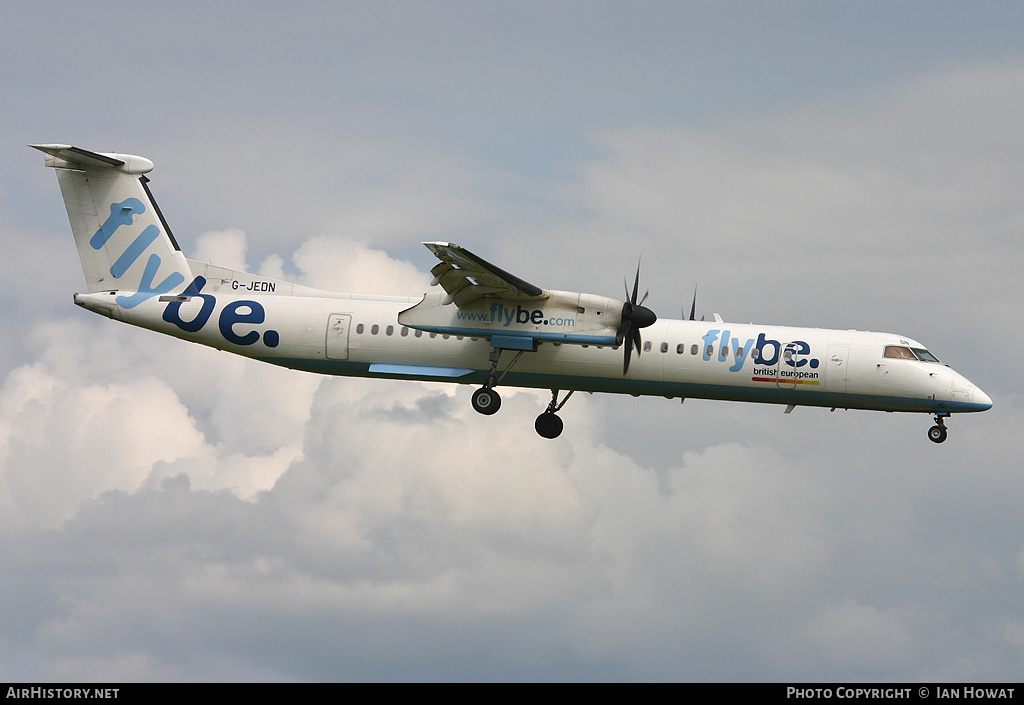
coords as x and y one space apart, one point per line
486 401
548 425
937 433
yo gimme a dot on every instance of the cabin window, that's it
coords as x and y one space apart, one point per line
375 329
647 346
739 352
694 349
899 352
681 348
710 350
405 332
359 329
390 330
433 334
418 333
664 347
446 336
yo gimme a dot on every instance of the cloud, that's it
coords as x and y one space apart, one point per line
384 535
225 248
55 453
385 539
862 634
341 264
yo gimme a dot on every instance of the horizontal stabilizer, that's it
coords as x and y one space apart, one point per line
64 156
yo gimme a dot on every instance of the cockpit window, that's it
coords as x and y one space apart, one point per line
902 353
899 352
924 355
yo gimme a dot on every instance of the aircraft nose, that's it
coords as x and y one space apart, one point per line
982 400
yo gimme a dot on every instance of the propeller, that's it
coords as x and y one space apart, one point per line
634 317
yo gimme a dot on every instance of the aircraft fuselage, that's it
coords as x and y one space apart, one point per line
360 336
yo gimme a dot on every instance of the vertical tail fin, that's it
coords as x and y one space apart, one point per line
122 239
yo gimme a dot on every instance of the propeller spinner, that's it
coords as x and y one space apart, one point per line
634 317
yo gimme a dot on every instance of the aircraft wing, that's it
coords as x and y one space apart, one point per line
466 277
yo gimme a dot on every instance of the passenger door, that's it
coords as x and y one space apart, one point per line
337 336
837 368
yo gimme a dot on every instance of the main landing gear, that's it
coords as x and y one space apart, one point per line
937 433
487 401
549 424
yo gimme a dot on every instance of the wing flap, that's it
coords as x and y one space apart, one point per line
465 277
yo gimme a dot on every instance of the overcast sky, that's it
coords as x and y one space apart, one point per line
169 512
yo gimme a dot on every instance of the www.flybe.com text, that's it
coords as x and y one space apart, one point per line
507 316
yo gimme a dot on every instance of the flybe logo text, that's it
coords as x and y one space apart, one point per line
763 350
233 319
122 214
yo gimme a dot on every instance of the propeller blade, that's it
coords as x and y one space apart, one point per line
693 306
627 348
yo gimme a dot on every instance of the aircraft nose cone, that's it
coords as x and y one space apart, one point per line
982 400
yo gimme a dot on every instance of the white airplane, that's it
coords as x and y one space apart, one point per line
485 327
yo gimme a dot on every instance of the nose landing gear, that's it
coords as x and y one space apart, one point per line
937 433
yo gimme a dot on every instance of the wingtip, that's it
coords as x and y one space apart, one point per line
50 148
